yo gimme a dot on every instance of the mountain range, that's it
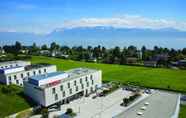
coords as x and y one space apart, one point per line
101 35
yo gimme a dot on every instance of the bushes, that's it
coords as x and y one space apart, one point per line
126 101
44 112
70 112
11 89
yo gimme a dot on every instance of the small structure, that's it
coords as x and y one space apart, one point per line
45 52
131 60
2 51
182 63
150 63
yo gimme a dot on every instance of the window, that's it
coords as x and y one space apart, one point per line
45 70
53 90
82 86
86 78
17 81
91 89
61 87
75 83
91 76
56 97
69 85
21 75
11 65
34 72
87 84
96 87
70 91
15 77
28 74
80 81
92 81
39 71
9 77
76 88
63 93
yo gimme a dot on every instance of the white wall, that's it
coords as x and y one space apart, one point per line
19 79
49 96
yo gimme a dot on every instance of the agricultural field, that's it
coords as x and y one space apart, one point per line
148 77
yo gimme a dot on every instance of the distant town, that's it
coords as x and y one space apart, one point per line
156 57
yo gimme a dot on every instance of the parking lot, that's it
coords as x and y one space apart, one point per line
100 107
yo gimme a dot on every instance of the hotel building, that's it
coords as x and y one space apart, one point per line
61 87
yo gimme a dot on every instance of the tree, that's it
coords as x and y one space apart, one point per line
54 46
18 47
44 47
69 111
132 51
34 49
184 51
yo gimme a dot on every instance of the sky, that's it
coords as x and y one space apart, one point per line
44 16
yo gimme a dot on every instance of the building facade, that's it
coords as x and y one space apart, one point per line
62 87
10 64
16 73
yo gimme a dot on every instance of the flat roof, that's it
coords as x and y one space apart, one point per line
12 62
161 105
79 72
36 66
9 68
72 74
47 75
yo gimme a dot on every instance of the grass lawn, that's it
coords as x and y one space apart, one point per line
10 104
182 111
148 77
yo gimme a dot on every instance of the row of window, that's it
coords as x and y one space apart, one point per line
70 91
22 75
80 81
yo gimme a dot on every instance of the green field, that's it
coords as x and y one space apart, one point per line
182 111
10 104
143 76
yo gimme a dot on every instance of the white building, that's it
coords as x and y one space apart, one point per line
15 73
61 87
10 64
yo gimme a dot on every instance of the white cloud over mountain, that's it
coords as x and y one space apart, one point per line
126 21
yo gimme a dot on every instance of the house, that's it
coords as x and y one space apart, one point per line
2 51
131 60
61 87
150 63
45 52
182 63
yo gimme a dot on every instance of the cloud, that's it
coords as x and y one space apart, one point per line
126 21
